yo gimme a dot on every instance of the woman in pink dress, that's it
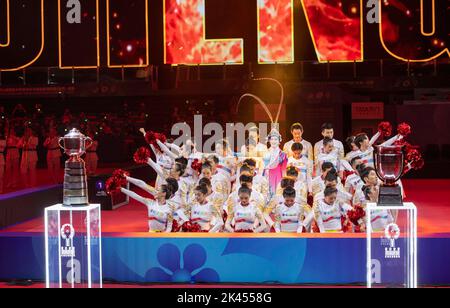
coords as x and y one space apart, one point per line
275 161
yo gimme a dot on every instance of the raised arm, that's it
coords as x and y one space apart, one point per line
166 150
217 217
156 167
230 218
175 148
260 223
319 219
141 184
374 138
134 196
392 140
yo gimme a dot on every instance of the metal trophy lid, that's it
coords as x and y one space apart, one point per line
74 134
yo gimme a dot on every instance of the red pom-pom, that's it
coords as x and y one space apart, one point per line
346 225
121 175
346 174
152 137
196 228
175 226
196 165
142 155
385 128
191 227
315 227
113 185
161 137
404 129
414 159
356 214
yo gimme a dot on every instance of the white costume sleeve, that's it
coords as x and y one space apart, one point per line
374 138
175 148
134 196
154 150
166 150
392 140
308 220
141 184
156 167
300 222
260 223
346 166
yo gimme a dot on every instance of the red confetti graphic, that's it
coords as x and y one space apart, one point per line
185 41
276 42
337 36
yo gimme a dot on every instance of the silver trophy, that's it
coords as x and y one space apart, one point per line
75 145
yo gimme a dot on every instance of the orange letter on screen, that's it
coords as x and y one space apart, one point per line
18 52
185 41
408 30
275 31
336 29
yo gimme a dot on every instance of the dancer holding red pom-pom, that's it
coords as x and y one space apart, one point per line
203 214
160 211
365 145
289 215
164 159
328 212
246 216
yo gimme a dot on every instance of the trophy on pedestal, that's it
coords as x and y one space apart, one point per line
75 145
389 166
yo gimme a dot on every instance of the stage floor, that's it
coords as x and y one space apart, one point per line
432 197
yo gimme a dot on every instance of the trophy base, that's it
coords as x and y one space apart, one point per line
75 184
390 196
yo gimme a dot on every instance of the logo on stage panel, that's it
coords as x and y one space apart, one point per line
67 234
392 233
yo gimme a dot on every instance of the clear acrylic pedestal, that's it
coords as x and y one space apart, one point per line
392 248
73 246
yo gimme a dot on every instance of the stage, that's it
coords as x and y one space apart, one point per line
131 254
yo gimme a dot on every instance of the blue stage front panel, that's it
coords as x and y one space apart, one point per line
227 260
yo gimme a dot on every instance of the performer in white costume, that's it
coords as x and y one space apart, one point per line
289 215
160 211
297 134
204 213
328 212
246 216
328 132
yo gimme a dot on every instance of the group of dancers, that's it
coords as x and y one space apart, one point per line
298 188
19 158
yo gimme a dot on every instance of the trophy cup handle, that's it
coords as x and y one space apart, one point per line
59 143
91 142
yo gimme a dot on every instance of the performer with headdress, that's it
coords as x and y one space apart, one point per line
275 160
